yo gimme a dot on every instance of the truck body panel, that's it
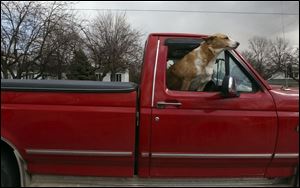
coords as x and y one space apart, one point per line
90 128
287 106
72 133
209 136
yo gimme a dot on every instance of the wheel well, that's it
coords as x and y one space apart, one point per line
12 165
6 147
9 151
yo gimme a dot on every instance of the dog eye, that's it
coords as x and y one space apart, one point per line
226 38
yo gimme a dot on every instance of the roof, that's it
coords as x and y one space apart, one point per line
178 35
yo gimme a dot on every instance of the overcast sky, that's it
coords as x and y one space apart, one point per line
239 26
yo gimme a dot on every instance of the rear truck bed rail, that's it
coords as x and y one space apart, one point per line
67 86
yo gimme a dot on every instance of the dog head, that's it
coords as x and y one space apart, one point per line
220 42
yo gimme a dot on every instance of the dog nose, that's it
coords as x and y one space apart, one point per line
237 43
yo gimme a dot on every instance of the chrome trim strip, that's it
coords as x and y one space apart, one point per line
192 155
145 154
154 77
169 103
286 155
78 153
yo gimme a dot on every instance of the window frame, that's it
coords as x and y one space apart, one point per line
256 85
118 75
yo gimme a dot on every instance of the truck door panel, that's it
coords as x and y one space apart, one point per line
208 135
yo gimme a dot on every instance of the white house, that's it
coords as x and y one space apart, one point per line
280 78
120 76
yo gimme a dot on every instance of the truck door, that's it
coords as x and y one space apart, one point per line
202 134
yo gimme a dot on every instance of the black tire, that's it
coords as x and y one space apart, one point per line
295 179
10 176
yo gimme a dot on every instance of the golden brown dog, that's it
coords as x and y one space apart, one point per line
198 63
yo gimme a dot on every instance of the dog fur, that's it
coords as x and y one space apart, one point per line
198 64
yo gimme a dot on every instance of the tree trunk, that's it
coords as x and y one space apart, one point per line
59 67
19 72
113 76
59 71
5 74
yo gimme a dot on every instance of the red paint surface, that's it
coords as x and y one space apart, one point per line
287 103
207 123
71 121
254 123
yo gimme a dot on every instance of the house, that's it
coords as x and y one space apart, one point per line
282 78
119 77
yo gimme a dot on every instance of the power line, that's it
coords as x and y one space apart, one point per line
184 11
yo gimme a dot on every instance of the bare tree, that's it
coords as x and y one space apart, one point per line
293 63
58 50
259 49
113 44
271 56
283 57
28 30
13 35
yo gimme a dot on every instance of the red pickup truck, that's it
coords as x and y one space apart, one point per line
238 129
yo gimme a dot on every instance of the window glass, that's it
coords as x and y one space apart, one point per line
243 83
118 77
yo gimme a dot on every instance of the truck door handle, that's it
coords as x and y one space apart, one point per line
163 104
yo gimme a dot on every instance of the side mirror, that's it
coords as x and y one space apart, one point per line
229 87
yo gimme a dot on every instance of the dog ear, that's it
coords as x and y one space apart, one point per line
209 39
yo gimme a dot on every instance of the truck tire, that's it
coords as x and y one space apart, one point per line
297 180
10 176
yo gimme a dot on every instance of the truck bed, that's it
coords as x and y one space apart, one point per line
71 127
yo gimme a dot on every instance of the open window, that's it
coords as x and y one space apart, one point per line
225 64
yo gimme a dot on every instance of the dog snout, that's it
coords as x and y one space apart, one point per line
235 44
